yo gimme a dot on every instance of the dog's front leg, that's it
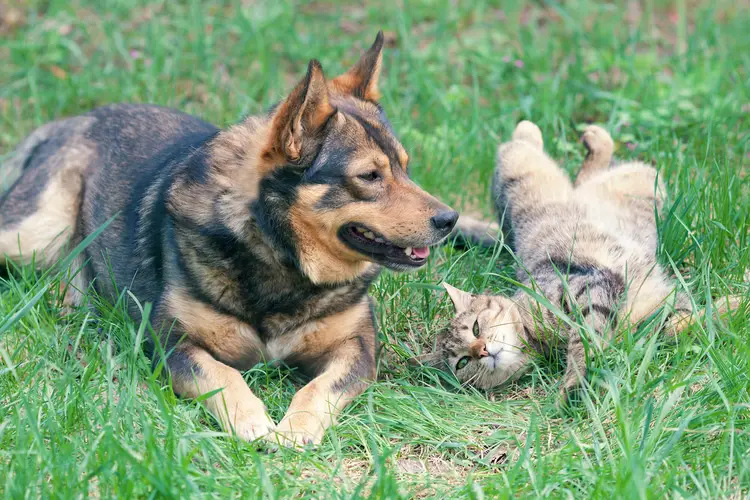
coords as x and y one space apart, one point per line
342 353
196 373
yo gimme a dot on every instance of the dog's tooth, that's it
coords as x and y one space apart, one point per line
369 235
360 229
407 251
379 240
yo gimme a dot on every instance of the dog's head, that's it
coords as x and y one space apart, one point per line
337 172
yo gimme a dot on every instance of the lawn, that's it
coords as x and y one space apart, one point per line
81 412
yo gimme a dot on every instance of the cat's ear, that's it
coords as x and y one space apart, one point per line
428 359
513 316
461 300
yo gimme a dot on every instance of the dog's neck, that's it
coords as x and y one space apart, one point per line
235 193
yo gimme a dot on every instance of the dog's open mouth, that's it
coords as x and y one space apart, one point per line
380 250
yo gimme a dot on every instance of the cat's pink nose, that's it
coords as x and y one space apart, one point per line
478 350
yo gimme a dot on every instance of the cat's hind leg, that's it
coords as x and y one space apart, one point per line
633 180
681 315
529 132
526 179
599 149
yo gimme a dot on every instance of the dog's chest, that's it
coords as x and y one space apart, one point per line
242 347
276 324
278 335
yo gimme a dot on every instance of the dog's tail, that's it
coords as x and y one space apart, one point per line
22 157
472 231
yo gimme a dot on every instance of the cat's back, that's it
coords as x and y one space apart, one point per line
576 231
580 247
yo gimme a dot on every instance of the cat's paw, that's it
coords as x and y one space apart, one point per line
564 403
528 132
570 397
598 141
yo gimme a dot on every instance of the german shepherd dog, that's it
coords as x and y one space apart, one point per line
255 242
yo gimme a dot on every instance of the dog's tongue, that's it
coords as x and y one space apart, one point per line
420 253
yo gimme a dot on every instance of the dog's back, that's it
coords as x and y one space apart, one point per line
114 154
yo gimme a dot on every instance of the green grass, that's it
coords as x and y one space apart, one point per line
82 414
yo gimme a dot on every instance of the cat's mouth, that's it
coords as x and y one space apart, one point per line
379 249
490 362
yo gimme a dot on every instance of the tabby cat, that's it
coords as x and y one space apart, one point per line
588 247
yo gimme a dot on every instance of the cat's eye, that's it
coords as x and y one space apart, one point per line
476 328
462 362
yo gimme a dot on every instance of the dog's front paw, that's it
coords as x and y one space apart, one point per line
300 431
253 427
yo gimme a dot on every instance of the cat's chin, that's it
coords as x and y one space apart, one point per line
503 365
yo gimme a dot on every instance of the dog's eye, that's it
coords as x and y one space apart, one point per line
476 328
370 176
462 362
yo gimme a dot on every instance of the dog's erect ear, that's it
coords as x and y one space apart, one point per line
301 115
461 300
362 79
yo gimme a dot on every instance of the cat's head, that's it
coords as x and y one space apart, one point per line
485 343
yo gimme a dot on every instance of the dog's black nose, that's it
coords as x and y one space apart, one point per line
444 221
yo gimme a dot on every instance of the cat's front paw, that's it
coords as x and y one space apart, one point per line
569 397
563 401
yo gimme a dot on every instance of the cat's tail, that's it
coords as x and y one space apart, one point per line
473 231
685 317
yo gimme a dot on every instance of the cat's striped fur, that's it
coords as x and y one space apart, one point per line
588 247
